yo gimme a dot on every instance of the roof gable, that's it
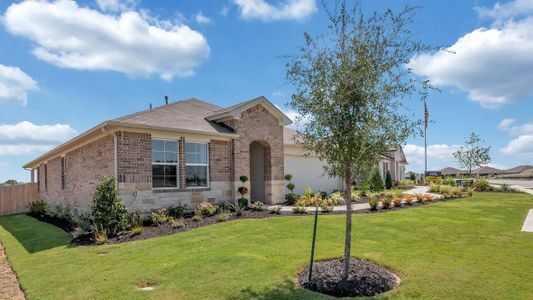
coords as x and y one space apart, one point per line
234 112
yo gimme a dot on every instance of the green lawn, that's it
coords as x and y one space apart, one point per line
465 249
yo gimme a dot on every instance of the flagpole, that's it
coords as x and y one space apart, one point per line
425 140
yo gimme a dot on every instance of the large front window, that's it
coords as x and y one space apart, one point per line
164 163
196 164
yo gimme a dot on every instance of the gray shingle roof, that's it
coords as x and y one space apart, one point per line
451 171
186 115
518 169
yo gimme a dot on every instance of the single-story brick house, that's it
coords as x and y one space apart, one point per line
186 152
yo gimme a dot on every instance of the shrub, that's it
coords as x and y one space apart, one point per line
337 198
376 182
455 192
505 187
397 201
482 184
308 192
386 202
388 181
197 216
257 206
434 188
291 198
38 208
444 189
82 224
136 220
321 195
136 230
243 190
428 197
408 199
420 198
326 207
405 184
239 208
107 210
207 209
275 210
100 236
449 181
159 217
355 194
176 223
470 193
412 177
434 179
373 202
177 211
299 210
223 217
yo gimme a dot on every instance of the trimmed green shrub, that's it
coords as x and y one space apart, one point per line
159 217
176 223
388 181
482 184
108 212
449 181
373 202
257 206
376 182
38 208
177 211
275 210
207 209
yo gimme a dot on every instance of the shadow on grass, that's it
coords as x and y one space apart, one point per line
33 234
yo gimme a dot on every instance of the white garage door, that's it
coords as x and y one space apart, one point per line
308 171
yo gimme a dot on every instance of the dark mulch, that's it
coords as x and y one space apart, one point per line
366 278
165 229
61 223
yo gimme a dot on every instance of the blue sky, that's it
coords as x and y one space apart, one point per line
66 66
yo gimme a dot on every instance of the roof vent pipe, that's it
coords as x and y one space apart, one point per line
166 100
150 105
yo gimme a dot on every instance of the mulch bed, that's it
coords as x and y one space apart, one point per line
366 278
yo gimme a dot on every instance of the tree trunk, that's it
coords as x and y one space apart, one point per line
348 237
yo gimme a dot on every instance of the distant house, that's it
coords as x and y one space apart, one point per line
486 171
452 172
188 152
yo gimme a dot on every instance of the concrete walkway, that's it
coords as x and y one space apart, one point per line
358 206
528 222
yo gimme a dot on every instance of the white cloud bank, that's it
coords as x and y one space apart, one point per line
201 19
493 65
26 137
284 10
70 36
522 143
116 5
15 84
439 156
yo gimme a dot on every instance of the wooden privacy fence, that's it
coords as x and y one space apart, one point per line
15 198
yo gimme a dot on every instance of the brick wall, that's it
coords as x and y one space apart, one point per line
134 157
220 161
84 168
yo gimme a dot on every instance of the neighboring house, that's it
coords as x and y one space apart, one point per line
186 152
452 172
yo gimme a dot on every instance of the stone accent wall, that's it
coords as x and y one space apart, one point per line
258 124
84 168
134 157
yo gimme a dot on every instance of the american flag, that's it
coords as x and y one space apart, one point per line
426 114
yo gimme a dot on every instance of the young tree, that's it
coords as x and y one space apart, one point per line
388 181
472 154
376 181
350 85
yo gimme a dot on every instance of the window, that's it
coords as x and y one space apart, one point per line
63 172
164 163
385 169
39 178
46 177
196 165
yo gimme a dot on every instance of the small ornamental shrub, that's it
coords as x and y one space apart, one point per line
388 181
412 177
177 211
433 179
308 192
197 216
159 217
257 206
373 202
207 209
408 199
136 230
291 198
420 198
376 182
326 207
435 188
82 224
136 220
107 210
386 202
397 201
275 210
223 217
243 190
321 195
470 192
238 208
176 223
299 210
482 184
38 208
355 194
337 198
444 189
100 236
428 197
455 192
449 181
406 184
505 188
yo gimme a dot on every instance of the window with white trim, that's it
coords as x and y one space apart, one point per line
196 165
164 163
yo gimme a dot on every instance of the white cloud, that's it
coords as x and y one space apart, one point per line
501 12
493 65
439 156
27 138
116 5
224 11
285 10
201 19
15 84
522 145
21 149
70 36
505 124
